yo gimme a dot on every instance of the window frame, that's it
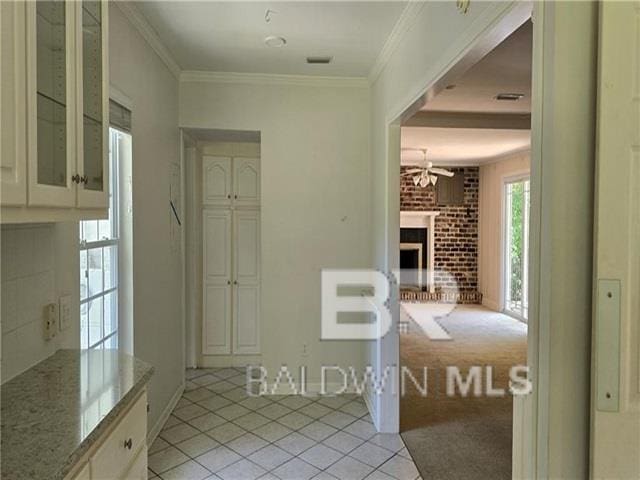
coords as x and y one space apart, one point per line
104 244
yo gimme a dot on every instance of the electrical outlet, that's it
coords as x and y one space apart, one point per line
50 321
65 312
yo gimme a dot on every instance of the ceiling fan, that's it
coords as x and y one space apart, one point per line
427 175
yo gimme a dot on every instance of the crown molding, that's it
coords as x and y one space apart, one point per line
272 79
141 24
405 22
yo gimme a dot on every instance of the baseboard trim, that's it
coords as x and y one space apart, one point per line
155 431
225 361
369 402
491 304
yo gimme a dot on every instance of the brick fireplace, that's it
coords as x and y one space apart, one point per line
453 233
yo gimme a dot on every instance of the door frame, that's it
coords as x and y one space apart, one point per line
531 416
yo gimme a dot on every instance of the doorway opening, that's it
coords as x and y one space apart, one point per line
464 173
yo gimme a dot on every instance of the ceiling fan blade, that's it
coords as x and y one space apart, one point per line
441 171
413 170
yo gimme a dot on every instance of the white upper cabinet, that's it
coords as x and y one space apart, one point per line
13 108
246 181
93 104
54 97
216 181
230 181
51 103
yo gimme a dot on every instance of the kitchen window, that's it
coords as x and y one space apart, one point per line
99 267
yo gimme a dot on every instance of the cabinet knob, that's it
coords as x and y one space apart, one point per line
84 179
235 282
235 196
228 282
75 178
128 444
229 196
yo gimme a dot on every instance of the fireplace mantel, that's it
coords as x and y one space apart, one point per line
413 219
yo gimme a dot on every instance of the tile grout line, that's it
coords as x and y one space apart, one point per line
311 401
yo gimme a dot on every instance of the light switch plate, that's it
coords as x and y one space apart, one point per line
65 312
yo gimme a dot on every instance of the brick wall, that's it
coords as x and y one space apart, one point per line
456 228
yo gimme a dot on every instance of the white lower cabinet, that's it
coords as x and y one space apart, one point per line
122 452
138 470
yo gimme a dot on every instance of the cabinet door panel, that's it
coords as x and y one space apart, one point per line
51 102
13 107
138 470
246 322
216 241
247 247
93 126
216 324
216 178
246 181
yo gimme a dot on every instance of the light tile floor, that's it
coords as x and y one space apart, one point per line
217 431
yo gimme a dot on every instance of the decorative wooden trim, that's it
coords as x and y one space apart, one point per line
403 25
501 121
137 19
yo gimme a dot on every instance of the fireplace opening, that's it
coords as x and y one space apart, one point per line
414 253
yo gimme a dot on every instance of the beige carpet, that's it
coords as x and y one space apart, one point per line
456 437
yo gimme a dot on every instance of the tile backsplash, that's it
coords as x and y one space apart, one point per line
27 266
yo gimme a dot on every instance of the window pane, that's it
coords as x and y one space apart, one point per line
84 283
95 271
105 230
110 267
111 342
110 313
90 230
84 326
95 320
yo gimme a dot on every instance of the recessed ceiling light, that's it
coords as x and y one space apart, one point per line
275 41
319 60
512 97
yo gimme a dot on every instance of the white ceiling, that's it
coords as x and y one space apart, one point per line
506 69
464 146
229 36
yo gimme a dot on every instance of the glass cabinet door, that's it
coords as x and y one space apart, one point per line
92 97
51 104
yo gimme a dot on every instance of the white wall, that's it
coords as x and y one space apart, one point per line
33 275
315 200
491 224
137 72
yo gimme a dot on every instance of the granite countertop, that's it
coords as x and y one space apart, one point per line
55 411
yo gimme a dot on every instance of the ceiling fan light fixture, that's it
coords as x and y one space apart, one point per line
434 179
424 181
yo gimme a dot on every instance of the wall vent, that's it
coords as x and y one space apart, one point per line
319 60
